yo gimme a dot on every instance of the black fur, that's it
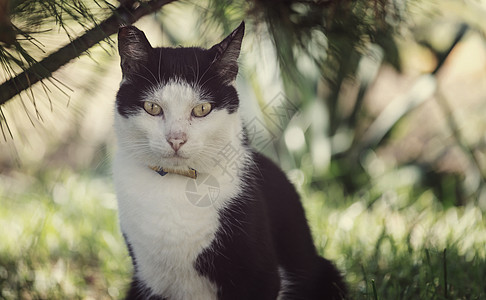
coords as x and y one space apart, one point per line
262 230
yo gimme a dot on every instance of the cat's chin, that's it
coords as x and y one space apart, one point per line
175 162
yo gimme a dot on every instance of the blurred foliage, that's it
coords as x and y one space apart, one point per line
31 19
407 243
323 48
394 190
60 238
348 42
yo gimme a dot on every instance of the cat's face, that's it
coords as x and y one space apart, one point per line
177 107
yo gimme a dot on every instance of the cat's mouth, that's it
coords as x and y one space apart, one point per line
175 156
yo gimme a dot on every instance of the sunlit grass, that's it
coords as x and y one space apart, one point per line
401 245
60 240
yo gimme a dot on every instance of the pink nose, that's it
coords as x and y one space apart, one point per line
176 143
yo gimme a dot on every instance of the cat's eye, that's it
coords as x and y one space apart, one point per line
152 108
202 109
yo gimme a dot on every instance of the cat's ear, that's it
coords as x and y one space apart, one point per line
226 54
134 49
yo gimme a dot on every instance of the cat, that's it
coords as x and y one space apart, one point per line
197 224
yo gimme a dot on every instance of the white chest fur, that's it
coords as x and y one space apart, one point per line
166 231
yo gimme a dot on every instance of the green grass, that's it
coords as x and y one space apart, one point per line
396 246
60 240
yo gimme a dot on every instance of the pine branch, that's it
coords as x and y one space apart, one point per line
126 14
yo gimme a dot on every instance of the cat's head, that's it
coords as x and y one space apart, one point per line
177 107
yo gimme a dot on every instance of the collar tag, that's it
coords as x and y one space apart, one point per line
191 173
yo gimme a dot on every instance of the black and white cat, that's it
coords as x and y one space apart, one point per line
198 225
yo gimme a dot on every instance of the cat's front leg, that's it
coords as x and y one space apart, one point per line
138 291
252 286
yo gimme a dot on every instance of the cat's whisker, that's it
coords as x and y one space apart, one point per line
127 143
143 77
207 69
208 79
160 61
197 69
153 75
193 74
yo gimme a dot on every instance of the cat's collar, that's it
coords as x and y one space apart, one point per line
191 173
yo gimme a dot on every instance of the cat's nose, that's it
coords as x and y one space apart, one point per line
176 143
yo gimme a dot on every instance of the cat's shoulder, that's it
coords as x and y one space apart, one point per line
267 169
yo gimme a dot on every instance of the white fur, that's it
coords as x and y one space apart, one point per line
285 284
166 231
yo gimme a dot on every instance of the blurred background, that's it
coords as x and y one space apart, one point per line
375 109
